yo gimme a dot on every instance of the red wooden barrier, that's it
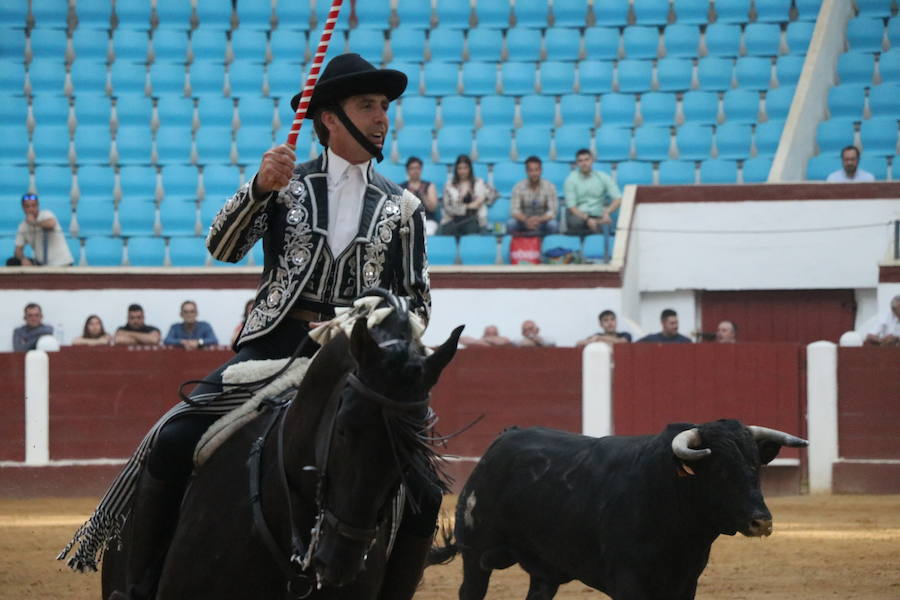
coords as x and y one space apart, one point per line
12 407
869 403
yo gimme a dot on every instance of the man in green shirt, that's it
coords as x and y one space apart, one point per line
591 197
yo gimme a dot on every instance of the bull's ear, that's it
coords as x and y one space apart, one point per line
362 346
768 450
441 357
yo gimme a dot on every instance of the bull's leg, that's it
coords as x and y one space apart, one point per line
541 589
475 578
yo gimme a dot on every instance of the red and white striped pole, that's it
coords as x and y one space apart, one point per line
313 76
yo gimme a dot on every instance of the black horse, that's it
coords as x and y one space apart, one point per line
297 504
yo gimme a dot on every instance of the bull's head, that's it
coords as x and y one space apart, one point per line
727 456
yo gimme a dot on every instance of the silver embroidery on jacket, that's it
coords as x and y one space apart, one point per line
373 261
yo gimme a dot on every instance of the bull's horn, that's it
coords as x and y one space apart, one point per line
779 437
681 445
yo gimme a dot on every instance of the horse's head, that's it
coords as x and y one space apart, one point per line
379 422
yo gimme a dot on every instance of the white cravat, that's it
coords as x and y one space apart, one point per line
346 189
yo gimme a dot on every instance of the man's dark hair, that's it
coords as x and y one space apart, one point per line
413 160
667 313
186 302
606 312
135 308
850 147
533 159
582 151
32 305
319 126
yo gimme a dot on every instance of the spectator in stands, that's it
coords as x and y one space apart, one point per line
463 204
607 333
591 196
42 232
25 337
191 334
726 332
135 332
531 336
669 333
886 331
533 206
237 330
425 191
93 334
490 337
850 172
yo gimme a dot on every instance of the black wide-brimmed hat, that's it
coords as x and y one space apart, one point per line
350 75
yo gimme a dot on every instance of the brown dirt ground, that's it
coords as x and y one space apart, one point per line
823 547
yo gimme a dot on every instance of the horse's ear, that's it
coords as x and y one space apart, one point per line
362 346
441 357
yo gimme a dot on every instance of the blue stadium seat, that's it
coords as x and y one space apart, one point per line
249 45
213 144
477 250
95 182
93 15
407 43
873 8
445 44
373 15
601 43
441 249
798 35
53 182
296 15
597 247
677 172
617 109
612 142
524 44
136 217
506 175
694 141
578 109
133 110
611 13
595 76
441 79
879 136
571 138
167 79
208 44
889 66
14 14
206 78
215 110
173 144
846 101
561 44
178 218
569 13
691 12
652 143
535 109
532 14
834 134
753 72
245 79
130 45
778 102
48 14
457 110
700 108
533 140
452 14
133 144
479 78
517 78
714 73
762 39
453 141
641 42
772 11
865 34
883 100
723 40
367 42
413 74
14 109
493 143
497 110
12 44
211 14
220 182
674 74
146 252
484 45
74 249
497 216
558 240
287 46
173 15
180 183
788 69
856 67
651 12
95 217
209 208
256 111
187 252
103 251
12 77
717 170
128 78
50 144
733 140
414 141
556 172
414 13
658 108
47 110
137 183
635 75
169 45
819 167
682 41
48 43
756 170
893 32
732 11
46 75
284 79
876 165
634 172
741 106
419 111
252 142
133 14
767 136
557 78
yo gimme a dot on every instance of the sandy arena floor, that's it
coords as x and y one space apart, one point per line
844 547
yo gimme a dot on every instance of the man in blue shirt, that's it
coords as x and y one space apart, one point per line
25 337
191 334
669 333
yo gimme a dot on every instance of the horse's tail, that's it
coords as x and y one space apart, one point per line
439 555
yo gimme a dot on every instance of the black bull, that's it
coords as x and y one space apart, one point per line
632 516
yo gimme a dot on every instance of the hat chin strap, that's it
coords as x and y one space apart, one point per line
367 145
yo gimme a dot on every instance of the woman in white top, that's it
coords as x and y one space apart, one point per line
463 203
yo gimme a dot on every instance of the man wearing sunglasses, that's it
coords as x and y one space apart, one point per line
42 232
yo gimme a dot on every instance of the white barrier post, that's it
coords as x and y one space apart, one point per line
596 390
37 408
821 413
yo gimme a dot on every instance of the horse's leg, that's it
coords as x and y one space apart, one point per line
405 566
475 578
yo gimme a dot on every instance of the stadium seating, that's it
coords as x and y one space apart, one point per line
101 251
612 142
691 12
701 108
187 252
558 241
694 142
651 12
532 139
136 217
479 79
767 136
714 73
732 11
778 101
846 101
617 109
146 252
497 110
569 13
658 108
569 139
453 141
493 143
788 69
634 172
367 42
798 35
537 109
484 45
578 109
173 15
733 140
597 247
834 134
753 72
253 15
94 15
445 44
878 136
723 40
517 79
50 144
457 111
407 43
95 218
524 44
441 250
173 144
440 79
611 13
178 218
652 143
762 39
634 75
674 74
682 41
716 170
756 170
676 172
772 11
557 78
595 76
865 34
561 44
133 14
95 182
741 106
478 250
883 100
856 68
414 141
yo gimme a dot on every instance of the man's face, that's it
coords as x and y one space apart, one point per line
189 313
33 316
584 162
608 323
533 170
30 208
369 113
491 331
135 318
850 161
670 326
529 329
725 333
414 171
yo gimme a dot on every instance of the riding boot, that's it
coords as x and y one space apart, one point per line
405 566
154 518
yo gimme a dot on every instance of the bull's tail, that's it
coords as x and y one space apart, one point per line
439 555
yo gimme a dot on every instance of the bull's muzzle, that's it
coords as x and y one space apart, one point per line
759 527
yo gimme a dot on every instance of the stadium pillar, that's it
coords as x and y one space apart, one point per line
37 408
821 413
596 390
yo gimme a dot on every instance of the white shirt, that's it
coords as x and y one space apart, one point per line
346 189
840 176
32 234
887 325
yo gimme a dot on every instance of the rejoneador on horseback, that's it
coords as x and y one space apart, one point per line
331 228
